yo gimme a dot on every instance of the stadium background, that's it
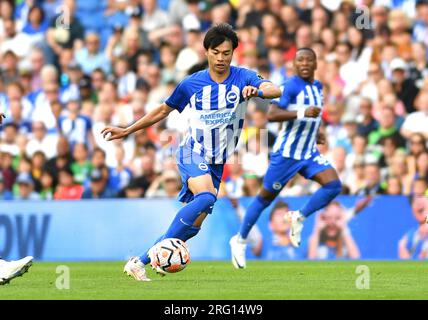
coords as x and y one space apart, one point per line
62 80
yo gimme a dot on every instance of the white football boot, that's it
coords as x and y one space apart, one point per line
153 262
238 247
135 268
12 269
296 220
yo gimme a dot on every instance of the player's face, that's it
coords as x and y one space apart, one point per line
305 64
220 57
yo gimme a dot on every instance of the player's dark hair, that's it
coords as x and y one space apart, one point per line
307 49
278 205
218 34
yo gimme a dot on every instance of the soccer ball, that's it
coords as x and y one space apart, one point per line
171 255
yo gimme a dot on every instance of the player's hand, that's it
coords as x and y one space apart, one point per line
2 116
115 133
249 92
321 138
312 112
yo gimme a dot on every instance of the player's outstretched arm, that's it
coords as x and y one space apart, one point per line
267 90
277 114
148 120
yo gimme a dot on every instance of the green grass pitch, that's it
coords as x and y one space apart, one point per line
219 280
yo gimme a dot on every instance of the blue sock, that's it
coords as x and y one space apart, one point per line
181 226
322 197
253 213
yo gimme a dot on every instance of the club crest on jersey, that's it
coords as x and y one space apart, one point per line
203 166
277 186
232 97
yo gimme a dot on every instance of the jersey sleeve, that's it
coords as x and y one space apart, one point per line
180 96
254 79
284 100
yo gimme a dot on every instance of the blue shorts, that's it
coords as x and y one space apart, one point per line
193 165
282 169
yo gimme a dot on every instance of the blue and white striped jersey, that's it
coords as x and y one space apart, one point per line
297 138
217 112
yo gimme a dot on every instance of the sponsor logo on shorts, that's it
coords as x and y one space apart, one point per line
277 186
203 166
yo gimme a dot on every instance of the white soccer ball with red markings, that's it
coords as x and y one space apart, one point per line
171 255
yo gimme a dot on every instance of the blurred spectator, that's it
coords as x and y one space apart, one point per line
390 148
420 187
417 146
414 244
90 56
47 186
418 68
38 161
43 102
366 122
64 32
125 77
167 185
98 188
153 17
9 68
76 127
252 184
41 141
280 248
372 181
67 189
331 237
133 190
120 174
63 159
417 121
14 42
81 166
36 25
26 187
7 170
4 193
394 186
404 87
387 128
420 30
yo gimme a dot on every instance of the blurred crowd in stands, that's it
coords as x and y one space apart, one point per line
69 68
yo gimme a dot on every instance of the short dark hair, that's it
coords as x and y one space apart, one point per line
307 49
218 34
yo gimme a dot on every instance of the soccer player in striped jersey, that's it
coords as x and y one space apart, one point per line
216 99
294 152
